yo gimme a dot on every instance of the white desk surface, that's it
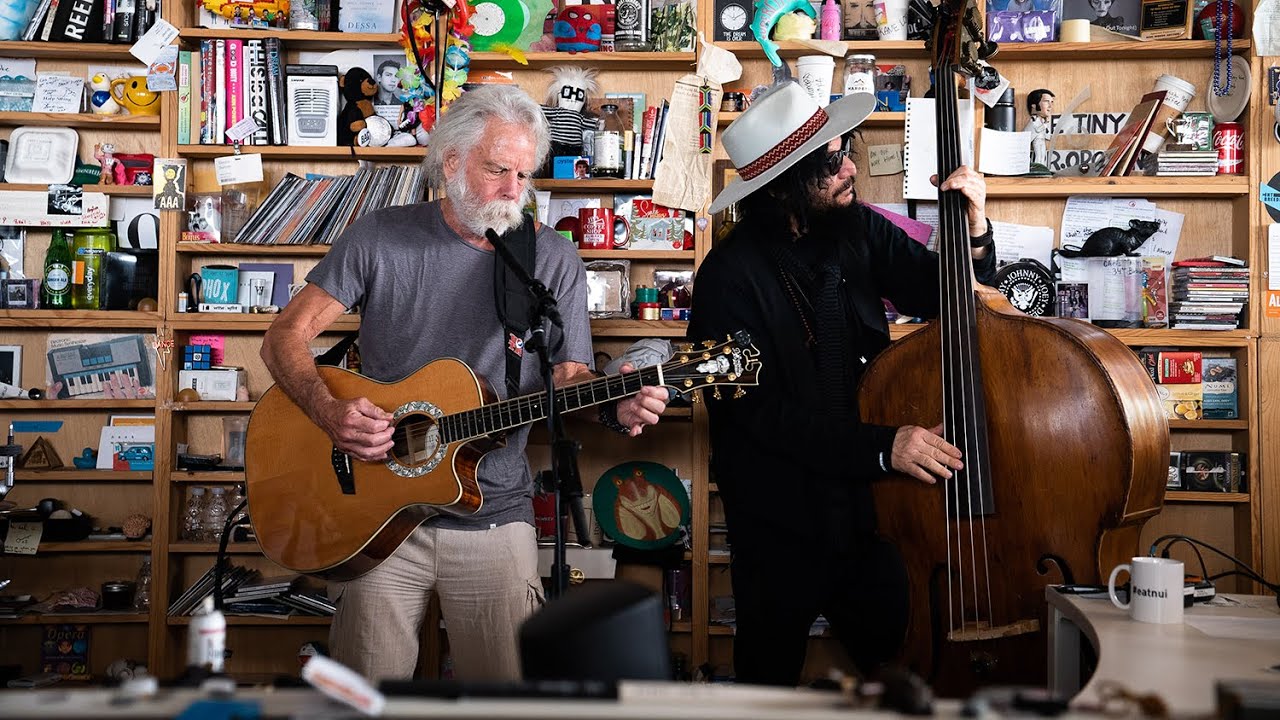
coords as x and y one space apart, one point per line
1180 663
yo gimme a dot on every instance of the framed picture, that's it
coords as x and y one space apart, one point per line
608 288
11 365
20 294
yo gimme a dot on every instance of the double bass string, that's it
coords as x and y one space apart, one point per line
946 133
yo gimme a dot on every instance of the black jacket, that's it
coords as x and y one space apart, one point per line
781 462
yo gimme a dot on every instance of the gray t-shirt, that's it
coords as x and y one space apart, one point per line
425 293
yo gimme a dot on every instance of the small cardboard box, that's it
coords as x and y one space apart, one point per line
1182 402
1180 366
1221 398
213 384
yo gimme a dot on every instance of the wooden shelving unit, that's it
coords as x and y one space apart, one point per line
304 152
79 318
81 120
297 39
199 248
876 120
101 617
64 475
633 61
593 185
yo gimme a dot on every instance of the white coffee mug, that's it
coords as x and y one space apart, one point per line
891 19
1155 589
815 73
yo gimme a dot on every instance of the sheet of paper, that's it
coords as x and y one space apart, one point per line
1005 153
149 45
1273 256
1165 241
920 156
58 94
717 64
885 159
1015 242
161 73
122 434
1114 285
23 538
1236 628
1083 215
683 176
31 208
232 169
1266 28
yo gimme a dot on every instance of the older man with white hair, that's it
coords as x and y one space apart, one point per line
423 276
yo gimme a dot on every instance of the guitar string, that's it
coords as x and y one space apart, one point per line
948 402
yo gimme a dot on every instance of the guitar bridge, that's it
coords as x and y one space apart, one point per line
342 471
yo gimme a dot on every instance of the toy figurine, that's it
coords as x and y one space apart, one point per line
566 97
768 13
1040 111
112 171
100 100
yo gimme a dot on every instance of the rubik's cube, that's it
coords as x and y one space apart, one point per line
196 357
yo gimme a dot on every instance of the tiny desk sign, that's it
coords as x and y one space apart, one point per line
23 538
885 159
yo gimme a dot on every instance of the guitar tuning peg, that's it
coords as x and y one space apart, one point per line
695 398
708 343
737 393
715 392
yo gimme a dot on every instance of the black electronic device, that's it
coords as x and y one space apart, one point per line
129 276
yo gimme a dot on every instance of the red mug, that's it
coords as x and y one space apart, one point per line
595 228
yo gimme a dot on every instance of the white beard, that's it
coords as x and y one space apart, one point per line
500 216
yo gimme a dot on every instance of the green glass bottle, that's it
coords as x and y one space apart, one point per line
88 251
55 289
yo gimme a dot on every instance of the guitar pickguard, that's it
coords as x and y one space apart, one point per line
422 451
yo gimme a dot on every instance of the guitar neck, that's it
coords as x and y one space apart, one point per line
509 414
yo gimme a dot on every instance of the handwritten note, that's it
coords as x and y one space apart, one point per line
885 159
58 94
1015 242
149 45
1005 153
23 538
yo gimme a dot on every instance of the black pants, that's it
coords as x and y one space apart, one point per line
780 589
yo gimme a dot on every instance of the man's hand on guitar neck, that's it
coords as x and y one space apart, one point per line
357 427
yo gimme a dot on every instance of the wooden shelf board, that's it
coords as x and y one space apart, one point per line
877 119
88 546
79 318
789 48
1180 496
76 475
245 322
1093 51
104 617
636 254
125 190
717 559
298 39
212 406
713 487
80 120
720 630
98 404
591 185
233 619
681 626
1208 424
638 328
208 548
614 60
303 152
203 248
1017 187
212 476
68 50
1139 336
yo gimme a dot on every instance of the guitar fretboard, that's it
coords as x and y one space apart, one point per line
508 414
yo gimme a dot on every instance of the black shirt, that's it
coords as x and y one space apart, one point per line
784 465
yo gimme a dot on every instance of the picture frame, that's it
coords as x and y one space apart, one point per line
11 365
608 288
21 294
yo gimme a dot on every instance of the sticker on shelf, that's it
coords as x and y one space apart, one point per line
23 538
162 33
241 130
232 169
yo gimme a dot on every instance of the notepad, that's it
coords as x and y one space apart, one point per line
920 158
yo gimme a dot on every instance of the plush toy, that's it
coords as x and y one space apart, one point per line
100 100
566 97
578 28
359 90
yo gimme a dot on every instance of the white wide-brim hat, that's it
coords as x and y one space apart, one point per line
779 128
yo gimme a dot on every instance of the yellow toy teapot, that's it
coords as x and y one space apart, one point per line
132 93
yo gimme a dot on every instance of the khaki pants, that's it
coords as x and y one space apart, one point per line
488 584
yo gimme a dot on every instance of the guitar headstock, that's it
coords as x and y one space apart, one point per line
958 42
734 362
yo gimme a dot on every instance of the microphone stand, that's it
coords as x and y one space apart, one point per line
563 481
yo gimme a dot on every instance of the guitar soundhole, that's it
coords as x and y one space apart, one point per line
415 440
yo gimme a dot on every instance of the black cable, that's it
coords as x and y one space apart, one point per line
1246 570
1204 571
222 555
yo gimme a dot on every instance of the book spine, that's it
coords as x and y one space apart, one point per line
235 86
219 118
197 92
47 31
646 147
257 87
276 93
206 90
184 97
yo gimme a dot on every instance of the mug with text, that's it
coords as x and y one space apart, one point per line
1155 589
595 228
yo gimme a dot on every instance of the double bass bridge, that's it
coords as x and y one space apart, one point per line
983 630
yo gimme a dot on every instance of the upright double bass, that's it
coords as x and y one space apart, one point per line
1065 444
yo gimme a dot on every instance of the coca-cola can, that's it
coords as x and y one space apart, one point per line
1228 140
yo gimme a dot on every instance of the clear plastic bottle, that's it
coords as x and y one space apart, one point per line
237 497
193 516
215 514
606 160
142 596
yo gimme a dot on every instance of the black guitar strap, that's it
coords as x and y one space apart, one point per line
511 298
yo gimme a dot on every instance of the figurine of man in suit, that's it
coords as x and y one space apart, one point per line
1040 112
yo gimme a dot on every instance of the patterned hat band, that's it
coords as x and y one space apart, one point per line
789 144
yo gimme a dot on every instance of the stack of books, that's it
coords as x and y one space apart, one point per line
1209 293
1187 162
300 211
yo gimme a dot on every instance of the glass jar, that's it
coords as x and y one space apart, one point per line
860 74
606 156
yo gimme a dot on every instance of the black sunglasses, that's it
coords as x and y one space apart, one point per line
834 161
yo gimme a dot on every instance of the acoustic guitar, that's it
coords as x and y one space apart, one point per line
318 511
